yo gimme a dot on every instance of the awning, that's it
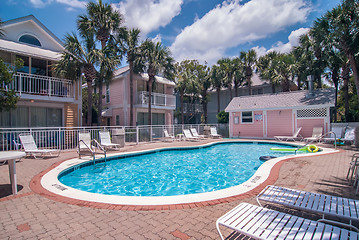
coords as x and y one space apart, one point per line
107 113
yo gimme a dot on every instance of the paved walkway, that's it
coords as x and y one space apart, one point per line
32 216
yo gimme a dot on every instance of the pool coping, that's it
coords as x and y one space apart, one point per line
47 184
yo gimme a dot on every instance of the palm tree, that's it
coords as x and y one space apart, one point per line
79 57
342 24
249 60
266 66
227 66
283 71
101 19
155 58
238 74
203 81
129 43
184 76
217 83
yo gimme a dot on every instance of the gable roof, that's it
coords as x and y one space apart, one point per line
284 100
37 22
117 73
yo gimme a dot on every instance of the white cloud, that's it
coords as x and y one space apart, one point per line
231 24
71 3
149 15
293 40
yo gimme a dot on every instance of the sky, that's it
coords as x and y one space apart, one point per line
206 30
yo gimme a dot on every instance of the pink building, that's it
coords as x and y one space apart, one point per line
116 103
269 115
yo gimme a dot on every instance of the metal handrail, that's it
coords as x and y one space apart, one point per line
320 137
93 153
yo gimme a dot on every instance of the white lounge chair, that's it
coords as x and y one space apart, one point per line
262 223
167 136
85 142
338 131
214 133
188 136
195 133
105 140
349 136
30 147
316 135
294 137
326 205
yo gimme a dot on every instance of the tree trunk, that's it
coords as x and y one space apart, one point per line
89 103
131 92
218 100
99 115
182 113
345 89
236 89
335 79
355 70
249 85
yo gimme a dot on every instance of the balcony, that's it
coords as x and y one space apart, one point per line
32 84
159 100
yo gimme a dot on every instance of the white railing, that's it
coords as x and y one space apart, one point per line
66 138
42 85
158 99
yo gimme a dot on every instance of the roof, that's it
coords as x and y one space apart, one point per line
29 50
284 100
33 18
159 79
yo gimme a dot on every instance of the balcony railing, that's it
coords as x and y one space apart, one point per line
158 99
42 85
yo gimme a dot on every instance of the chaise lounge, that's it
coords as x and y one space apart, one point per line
30 147
262 223
326 205
294 137
105 140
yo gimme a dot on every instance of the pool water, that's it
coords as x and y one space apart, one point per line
173 172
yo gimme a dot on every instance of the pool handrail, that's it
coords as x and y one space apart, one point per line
309 143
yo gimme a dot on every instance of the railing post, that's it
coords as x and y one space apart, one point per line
20 83
49 90
137 135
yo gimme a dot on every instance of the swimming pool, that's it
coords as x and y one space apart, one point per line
171 172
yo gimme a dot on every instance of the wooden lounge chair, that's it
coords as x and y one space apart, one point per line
262 223
105 140
326 205
195 133
30 147
214 133
294 137
316 135
188 136
168 136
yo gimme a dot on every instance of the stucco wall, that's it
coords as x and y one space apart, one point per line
279 123
254 129
308 124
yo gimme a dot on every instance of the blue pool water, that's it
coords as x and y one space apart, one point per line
172 172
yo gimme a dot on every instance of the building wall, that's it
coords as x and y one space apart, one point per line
254 129
308 124
279 123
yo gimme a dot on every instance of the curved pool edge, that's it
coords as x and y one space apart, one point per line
47 184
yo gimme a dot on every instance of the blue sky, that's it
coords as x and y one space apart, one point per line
206 30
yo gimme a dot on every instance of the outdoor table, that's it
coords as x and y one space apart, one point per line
180 137
11 157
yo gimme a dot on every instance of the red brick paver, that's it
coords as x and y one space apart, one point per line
30 215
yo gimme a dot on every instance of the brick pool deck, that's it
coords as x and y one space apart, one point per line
33 214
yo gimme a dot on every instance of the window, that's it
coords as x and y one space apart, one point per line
236 120
30 40
247 117
107 93
117 119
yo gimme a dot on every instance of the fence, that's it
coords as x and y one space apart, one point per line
67 138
